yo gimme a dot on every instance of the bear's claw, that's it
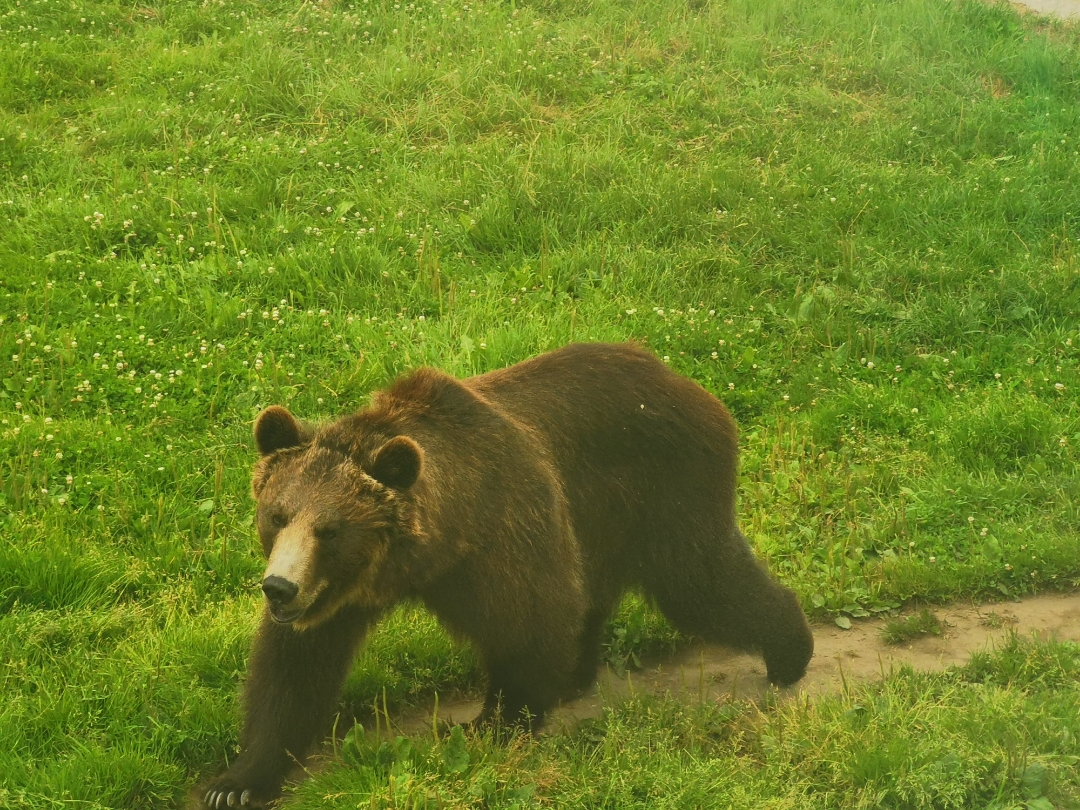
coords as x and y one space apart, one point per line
218 799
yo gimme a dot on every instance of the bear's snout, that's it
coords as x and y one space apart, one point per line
279 593
279 590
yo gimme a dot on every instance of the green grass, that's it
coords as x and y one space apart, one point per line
855 221
1002 732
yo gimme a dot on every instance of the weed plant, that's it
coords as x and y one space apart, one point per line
856 222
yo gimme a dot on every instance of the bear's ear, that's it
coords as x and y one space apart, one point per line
276 429
397 463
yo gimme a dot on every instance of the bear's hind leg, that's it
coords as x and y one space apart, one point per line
723 594
294 681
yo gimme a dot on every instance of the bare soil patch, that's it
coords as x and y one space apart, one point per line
1063 9
700 672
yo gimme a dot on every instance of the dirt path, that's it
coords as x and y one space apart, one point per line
1063 9
698 672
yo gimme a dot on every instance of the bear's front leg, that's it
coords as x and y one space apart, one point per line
294 681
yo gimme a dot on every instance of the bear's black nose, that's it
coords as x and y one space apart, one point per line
279 590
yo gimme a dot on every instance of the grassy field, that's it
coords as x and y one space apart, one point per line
857 222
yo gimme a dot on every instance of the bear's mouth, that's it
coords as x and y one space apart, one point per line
286 615
299 607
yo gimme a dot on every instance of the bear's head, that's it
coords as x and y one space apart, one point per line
335 516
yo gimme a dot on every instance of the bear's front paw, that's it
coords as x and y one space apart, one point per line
231 792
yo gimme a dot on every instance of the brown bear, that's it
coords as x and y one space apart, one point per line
517 506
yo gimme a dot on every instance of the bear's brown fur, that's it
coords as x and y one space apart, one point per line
518 506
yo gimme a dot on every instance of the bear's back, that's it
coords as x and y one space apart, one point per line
611 399
637 447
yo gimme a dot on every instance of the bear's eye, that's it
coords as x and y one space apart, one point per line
327 532
279 521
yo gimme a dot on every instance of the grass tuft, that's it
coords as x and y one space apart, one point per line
910 628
